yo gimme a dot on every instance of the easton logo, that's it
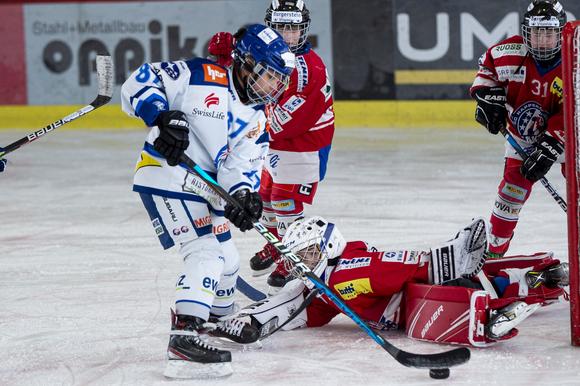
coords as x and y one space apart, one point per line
211 99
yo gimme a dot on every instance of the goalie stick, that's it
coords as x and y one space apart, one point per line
105 81
522 153
441 360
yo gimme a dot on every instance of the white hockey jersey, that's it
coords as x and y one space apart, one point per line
227 138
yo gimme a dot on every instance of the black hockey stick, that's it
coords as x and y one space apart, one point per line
105 80
442 360
522 153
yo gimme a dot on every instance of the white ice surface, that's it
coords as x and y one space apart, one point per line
85 288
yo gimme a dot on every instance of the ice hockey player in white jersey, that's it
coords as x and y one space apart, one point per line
215 117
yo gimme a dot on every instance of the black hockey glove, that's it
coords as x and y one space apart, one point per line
490 110
251 212
540 161
173 135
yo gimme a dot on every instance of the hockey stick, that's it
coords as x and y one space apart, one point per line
105 80
250 292
522 153
442 360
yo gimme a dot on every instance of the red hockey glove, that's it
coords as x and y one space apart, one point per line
221 46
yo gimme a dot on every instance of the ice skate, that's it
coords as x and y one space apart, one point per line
189 357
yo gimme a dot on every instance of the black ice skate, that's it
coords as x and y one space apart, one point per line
235 330
555 276
189 356
262 262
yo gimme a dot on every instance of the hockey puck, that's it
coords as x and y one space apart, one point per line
439 373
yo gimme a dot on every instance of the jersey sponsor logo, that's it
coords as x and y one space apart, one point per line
529 120
349 290
202 222
171 69
274 161
305 189
209 283
209 114
255 132
214 74
211 100
393 256
326 90
170 209
293 103
302 69
284 205
556 88
281 115
178 231
506 210
514 191
225 293
356 262
412 257
220 229
157 226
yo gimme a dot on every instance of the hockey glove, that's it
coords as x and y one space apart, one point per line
490 110
540 161
251 210
220 47
173 135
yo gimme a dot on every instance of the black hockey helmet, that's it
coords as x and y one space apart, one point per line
542 27
291 19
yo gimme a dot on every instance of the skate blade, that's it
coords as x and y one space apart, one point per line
226 344
264 271
181 369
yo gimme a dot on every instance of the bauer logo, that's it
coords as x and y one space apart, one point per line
351 289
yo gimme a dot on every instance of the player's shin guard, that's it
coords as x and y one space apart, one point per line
263 261
281 276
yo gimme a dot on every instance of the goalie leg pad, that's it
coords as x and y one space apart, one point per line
462 256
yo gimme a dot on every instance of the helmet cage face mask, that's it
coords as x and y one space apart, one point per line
265 84
294 34
543 42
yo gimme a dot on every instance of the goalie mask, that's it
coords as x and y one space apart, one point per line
291 19
315 241
261 52
542 29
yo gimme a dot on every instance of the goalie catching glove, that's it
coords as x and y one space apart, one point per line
541 160
250 211
491 111
173 137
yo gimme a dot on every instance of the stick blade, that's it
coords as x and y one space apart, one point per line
105 78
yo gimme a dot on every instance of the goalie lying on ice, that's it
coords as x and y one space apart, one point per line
435 295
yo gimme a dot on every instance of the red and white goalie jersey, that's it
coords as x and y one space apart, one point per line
302 124
534 93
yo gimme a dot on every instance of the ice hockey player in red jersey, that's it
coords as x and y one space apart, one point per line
520 81
420 290
301 127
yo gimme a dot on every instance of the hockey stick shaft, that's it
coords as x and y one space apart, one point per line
522 153
105 81
430 361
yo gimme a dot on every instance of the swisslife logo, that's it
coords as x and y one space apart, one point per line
211 100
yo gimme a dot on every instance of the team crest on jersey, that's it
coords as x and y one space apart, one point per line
214 74
171 69
529 120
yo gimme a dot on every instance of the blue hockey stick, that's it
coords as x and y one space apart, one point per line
522 153
442 360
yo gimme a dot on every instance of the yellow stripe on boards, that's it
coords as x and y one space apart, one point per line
425 77
349 114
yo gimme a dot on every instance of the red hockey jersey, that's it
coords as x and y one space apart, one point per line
534 93
370 283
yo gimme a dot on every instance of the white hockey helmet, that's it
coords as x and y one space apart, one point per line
315 241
